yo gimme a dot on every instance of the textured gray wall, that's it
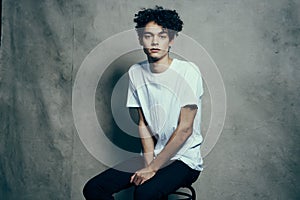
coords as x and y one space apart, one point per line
254 43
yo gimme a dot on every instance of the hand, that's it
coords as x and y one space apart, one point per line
140 176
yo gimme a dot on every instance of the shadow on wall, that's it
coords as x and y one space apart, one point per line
106 85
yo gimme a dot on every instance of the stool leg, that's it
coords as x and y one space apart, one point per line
193 192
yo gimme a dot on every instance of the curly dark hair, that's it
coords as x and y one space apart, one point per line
168 19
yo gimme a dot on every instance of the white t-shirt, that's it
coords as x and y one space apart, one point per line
161 96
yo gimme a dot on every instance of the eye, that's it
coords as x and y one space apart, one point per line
163 36
147 36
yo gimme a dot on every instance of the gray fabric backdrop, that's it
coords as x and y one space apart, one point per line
254 43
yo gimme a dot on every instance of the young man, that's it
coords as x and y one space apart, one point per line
167 94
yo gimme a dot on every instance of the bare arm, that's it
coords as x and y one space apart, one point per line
178 138
146 139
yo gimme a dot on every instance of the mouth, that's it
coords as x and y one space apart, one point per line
154 50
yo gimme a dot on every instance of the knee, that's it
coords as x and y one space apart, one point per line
88 190
91 190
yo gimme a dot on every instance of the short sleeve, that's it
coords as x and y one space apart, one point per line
192 88
132 96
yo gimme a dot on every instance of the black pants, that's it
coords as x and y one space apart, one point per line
167 180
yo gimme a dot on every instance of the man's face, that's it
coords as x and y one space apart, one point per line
156 41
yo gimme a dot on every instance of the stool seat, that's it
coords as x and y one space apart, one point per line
186 195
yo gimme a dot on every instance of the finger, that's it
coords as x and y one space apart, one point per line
132 178
139 181
136 180
144 180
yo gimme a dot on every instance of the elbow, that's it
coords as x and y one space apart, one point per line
185 132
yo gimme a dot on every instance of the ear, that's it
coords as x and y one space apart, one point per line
141 41
171 42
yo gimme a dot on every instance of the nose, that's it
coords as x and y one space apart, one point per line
154 41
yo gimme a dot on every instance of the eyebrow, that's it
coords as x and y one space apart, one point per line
162 32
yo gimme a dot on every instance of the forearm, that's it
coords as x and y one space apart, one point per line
148 150
147 144
146 140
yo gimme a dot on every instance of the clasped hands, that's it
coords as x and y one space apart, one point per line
142 175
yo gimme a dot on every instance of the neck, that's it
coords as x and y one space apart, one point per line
161 65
